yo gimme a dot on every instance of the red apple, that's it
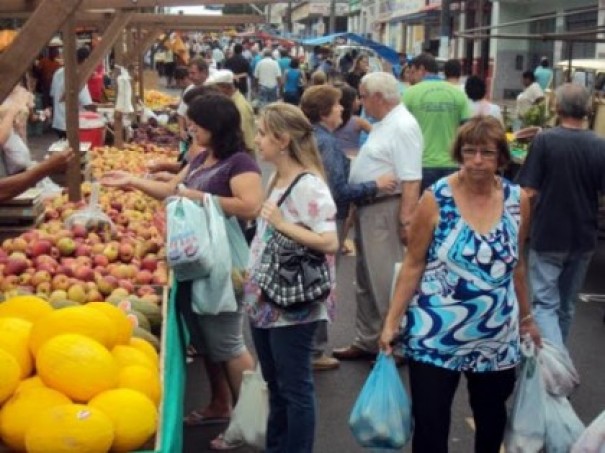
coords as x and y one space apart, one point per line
126 252
149 262
15 266
79 231
82 250
84 273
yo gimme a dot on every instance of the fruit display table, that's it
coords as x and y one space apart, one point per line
84 309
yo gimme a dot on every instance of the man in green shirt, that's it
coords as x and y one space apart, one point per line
439 107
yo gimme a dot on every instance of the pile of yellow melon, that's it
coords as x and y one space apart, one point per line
74 379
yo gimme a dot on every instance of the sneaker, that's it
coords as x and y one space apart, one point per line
324 363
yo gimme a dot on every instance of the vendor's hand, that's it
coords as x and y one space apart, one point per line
271 213
386 183
117 178
58 161
530 328
154 166
386 338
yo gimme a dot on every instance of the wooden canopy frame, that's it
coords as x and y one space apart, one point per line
46 17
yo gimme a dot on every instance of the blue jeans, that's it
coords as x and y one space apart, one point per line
431 175
285 358
555 279
266 95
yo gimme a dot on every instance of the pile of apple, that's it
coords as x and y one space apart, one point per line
132 157
84 265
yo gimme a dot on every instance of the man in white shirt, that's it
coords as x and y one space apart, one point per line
57 92
197 72
530 95
381 223
218 56
268 77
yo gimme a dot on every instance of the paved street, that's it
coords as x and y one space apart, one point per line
337 390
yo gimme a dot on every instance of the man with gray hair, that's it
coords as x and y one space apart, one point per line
564 174
381 222
268 78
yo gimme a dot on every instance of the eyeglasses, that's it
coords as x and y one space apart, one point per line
487 154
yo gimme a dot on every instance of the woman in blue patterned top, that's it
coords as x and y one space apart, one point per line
463 292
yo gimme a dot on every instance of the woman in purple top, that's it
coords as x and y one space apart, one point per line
226 170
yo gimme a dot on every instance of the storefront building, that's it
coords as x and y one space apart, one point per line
512 56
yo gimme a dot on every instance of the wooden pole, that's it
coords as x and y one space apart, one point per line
74 171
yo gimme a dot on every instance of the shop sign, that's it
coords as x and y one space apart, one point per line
354 6
322 8
405 7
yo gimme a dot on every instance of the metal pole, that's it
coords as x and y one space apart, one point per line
289 18
445 29
332 26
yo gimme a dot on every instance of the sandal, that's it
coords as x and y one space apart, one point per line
220 443
197 418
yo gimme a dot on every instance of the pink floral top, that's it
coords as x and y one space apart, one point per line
310 203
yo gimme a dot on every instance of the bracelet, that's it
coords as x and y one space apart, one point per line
526 318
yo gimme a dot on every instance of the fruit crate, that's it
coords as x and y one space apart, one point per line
22 213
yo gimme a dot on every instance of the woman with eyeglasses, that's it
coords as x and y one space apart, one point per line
460 304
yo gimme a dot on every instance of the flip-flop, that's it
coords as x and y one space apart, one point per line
220 443
196 418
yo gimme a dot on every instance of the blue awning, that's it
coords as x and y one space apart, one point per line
383 51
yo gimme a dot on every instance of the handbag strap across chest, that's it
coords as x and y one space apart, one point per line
290 187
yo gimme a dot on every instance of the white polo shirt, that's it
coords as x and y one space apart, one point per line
394 146
267 72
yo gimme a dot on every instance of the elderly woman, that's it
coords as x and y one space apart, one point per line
225 170
462 290
321 105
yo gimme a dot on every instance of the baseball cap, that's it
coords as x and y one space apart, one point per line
220 76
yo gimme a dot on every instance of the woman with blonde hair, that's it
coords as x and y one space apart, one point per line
284 337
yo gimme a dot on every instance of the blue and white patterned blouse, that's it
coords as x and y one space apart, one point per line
464 315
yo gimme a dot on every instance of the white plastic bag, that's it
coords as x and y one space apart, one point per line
251 413
49 188
527 424
189 239
214 293
559 373
16 154
92 216
563 427
592 440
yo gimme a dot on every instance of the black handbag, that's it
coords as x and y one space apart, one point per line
290 275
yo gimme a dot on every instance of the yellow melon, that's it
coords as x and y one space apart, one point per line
29 383
118 317
28 307
14 339
71 428
9 375
142 379
146 348
127 355
79 320
21 408
134 417
77 366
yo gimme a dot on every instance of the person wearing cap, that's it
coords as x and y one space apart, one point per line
45 69
223 79
57 92
543 74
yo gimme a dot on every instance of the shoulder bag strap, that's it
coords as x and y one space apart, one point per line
290 187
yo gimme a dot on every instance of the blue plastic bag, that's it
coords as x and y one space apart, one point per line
382 415
188 239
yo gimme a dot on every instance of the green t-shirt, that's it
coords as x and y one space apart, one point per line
439 107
